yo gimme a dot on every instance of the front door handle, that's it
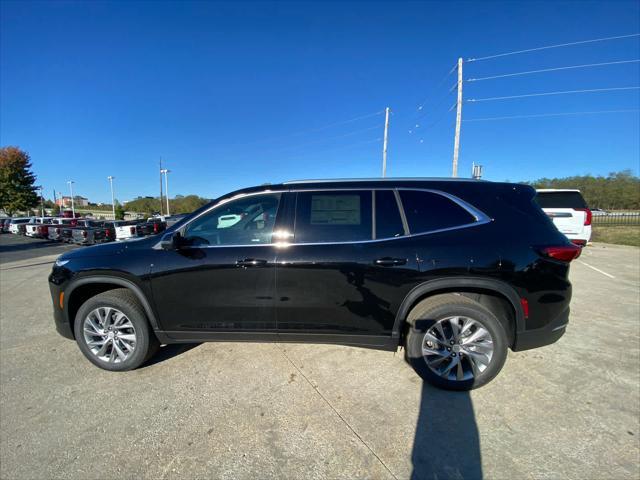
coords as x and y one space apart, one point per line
390 262
251 262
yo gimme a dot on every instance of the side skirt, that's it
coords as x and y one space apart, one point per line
377 342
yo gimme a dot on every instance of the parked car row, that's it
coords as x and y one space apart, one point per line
85 231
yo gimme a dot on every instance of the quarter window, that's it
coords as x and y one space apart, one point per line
427 211
333 216
245 221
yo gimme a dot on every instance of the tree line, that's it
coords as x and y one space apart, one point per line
178 204
616 191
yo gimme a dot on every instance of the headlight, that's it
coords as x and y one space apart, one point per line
60 263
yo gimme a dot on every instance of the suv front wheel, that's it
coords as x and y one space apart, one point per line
454 342
112 331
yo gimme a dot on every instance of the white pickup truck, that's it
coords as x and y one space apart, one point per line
14 226
37 227
126 230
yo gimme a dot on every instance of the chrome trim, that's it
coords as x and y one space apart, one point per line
560 327
386 179
481 218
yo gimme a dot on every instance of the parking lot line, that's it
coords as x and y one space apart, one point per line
596 269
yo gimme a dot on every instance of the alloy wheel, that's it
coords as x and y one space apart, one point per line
457 348
109 334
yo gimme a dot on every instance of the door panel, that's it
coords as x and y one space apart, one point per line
208 289
339 288
222 275
334 279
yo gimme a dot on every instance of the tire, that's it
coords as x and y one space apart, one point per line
129 330
478 351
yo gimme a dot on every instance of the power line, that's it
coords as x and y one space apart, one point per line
340 147
336 137
552 46
544 94
552 70
540 115
343 122
430 97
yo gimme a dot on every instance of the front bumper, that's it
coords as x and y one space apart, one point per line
56 285
540 337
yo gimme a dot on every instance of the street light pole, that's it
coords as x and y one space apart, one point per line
166 187
41 201
73 208
113 202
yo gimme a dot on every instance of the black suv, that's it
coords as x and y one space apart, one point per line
456 271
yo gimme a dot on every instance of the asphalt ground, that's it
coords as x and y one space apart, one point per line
231 410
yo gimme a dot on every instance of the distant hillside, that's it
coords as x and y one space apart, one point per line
179 204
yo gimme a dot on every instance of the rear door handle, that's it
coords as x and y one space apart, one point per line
390 262
251 262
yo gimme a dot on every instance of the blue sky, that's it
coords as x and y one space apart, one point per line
236 94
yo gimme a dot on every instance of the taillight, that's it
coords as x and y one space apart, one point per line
156 227
57 230
565 253
587 215
132 230
84 233
106 233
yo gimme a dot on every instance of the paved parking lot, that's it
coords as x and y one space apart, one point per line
570 410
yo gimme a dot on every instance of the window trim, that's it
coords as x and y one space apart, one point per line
182 229
480 217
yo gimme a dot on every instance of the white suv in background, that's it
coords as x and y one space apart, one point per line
569 213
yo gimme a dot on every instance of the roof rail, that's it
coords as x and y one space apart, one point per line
386 179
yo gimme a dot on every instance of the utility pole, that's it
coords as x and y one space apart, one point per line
385 142
161 211
113 202
166 184
456 141
41 201
73 208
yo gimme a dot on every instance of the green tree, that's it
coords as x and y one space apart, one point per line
55 210
17 189
119 211
616 191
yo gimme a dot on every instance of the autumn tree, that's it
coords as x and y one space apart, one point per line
17 189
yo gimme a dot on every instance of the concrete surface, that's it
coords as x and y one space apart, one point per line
570 410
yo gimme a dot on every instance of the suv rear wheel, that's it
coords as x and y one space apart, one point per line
112 331
454 342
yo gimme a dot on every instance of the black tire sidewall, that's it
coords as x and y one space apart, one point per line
137 318
429 317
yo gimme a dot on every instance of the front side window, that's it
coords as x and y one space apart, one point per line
245 221
428 211
333 216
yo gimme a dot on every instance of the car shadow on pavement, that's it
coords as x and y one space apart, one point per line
447 443
167 352
14 247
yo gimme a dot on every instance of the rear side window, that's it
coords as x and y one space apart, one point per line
339 216
560 200
427 211
388 220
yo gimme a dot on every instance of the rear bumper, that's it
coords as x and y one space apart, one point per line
540 337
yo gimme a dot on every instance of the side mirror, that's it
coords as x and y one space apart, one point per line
170 241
